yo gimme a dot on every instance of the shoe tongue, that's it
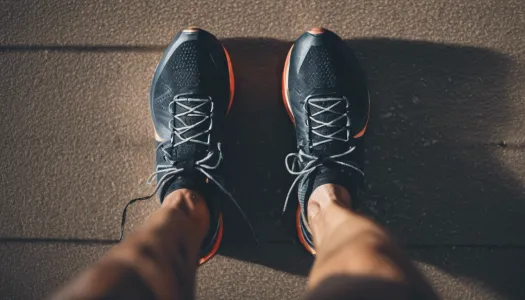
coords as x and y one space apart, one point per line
194 182
191 150
330 173
328 110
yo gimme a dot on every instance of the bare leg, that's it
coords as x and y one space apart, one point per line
157 261
356 257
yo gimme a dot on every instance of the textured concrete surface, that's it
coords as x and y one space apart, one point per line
445 150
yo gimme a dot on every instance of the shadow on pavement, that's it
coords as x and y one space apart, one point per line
433 174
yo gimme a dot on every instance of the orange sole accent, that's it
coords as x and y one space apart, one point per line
285 85
317 30
302 239
217 244
157 137
362 132
191 29
232 78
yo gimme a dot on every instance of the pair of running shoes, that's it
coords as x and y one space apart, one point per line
324 92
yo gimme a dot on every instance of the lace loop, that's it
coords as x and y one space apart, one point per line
312 164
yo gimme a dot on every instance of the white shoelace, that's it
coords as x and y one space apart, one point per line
201 166
333 103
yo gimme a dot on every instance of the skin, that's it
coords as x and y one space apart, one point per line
352 247
160 259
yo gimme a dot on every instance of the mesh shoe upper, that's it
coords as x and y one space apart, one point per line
192 73
326 93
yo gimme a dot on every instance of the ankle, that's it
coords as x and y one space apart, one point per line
192 205
328 206
325 195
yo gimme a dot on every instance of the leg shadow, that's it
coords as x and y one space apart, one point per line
434 176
